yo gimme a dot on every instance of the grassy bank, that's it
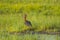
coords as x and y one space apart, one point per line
43 17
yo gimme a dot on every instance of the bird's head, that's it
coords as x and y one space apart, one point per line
25 15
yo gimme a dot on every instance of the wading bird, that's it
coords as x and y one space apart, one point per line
27 23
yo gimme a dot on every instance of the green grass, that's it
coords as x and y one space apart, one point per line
44 16
15 22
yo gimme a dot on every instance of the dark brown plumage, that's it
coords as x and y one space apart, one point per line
28 23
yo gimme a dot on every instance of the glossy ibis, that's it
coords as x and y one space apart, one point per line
27 23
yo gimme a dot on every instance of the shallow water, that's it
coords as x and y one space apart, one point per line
7 36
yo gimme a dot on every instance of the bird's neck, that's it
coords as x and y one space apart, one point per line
25 19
